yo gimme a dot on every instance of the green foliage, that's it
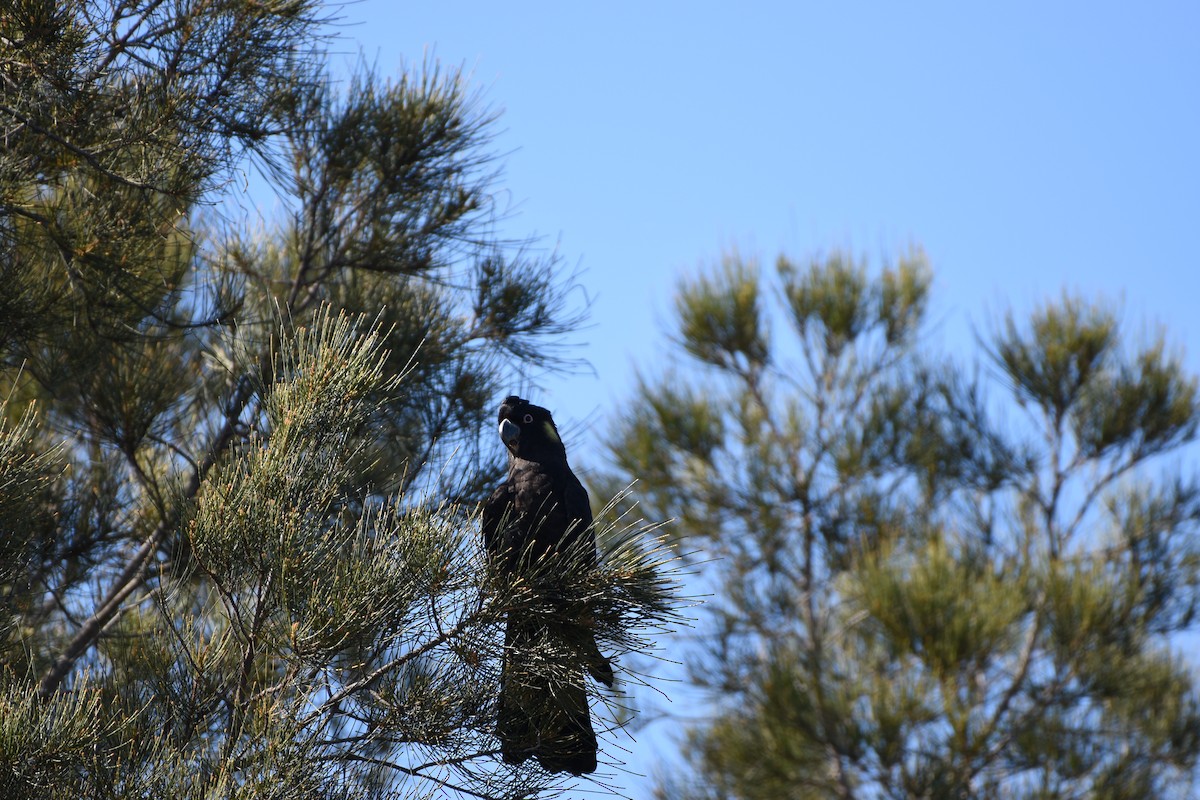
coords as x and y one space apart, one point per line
1144 405
45 747
916 600
239 464
928 603
1059 356
27 478
834 299
719 317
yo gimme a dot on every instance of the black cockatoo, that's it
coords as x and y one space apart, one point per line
535 524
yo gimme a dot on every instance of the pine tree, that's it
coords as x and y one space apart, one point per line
933 580
239 463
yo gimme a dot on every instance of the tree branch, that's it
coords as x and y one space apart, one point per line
134 573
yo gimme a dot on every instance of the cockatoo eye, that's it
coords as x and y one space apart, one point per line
528 418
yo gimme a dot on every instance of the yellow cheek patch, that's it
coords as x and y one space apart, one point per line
553 434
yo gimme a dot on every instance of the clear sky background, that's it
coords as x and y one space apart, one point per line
1028 147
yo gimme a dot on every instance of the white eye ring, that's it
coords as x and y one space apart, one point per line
528 418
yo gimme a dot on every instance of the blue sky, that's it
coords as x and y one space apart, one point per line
1028 147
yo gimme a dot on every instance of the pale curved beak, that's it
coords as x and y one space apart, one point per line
510 432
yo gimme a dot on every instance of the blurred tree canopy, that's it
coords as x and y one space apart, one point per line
238 462
934 580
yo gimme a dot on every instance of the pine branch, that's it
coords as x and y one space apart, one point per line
133 575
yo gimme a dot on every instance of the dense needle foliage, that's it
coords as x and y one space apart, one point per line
933 580
239 459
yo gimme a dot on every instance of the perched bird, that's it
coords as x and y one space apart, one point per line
539 514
